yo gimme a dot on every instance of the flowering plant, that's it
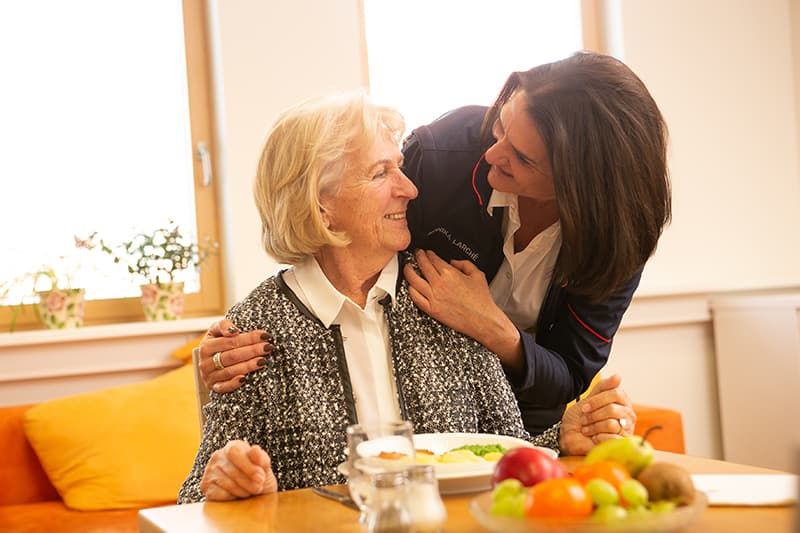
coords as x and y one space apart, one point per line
56 295
156 257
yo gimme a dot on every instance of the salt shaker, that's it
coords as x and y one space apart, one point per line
388 509
428 514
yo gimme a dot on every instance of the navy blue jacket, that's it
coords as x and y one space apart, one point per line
573 336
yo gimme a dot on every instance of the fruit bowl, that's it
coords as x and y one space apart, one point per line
672 521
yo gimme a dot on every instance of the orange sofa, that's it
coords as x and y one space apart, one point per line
29 502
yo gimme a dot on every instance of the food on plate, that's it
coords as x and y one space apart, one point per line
425 457
392 456
460 456
633 452
666 481
468 453
484 450
528 465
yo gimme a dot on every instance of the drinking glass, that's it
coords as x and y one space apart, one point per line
373 449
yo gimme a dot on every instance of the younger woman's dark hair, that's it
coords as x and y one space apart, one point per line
607 143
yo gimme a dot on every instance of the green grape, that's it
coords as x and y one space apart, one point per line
508 498
513 506
506 488
609 513
662 506
639 512
633 493
602 492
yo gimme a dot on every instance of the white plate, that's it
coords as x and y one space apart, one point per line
457 478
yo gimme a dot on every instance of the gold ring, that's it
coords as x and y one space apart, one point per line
218 361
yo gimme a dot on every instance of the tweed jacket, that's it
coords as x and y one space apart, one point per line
299 404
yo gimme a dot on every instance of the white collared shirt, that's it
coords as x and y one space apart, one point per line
364 331
520 285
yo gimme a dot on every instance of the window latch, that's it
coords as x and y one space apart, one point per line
204 156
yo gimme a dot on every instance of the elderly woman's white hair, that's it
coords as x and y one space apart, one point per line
307 152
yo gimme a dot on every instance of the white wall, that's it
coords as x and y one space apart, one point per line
674 366
46 364
269 56
795 24
722 72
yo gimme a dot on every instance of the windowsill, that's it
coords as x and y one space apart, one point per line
109 331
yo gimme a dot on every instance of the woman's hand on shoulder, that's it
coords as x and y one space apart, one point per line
606 413
239 470
457 295
239 354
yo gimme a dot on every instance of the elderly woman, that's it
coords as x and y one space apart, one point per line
350 345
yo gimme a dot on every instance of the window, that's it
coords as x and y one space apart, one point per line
104 108
426 58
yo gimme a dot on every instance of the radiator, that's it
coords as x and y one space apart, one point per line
758 370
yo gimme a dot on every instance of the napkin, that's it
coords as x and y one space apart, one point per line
748 489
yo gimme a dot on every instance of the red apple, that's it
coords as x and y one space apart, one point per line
528 465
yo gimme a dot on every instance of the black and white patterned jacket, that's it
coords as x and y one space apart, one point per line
298 405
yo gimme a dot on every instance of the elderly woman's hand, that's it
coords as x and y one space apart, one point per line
239 470
606 413
239 353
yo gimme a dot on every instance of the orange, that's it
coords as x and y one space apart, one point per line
610 471
563 497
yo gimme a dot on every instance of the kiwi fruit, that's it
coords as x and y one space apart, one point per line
666 481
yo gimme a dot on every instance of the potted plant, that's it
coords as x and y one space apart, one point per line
59 305
158 259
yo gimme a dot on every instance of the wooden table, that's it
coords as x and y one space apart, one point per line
302 510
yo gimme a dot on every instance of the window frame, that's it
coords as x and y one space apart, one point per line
210 299
592 26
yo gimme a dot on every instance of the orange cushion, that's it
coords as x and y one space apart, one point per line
670 437
22 479
184 353
129 446
46 517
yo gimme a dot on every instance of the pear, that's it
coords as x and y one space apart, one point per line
633 452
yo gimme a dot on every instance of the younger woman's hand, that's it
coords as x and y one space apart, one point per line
239 354
606 413
457 295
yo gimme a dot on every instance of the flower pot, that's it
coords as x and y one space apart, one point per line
61 308
162 301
